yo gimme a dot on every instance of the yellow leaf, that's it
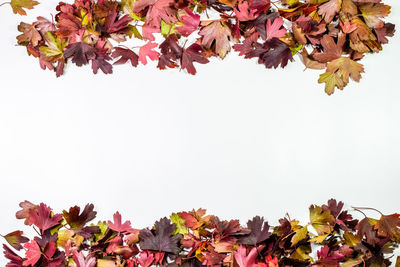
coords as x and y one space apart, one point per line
299 235
19 5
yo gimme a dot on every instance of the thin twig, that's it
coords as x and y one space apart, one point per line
5 3
362 208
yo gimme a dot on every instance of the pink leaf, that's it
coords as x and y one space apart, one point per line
118 226
275 29
244 260
33 253
190 23
243 13
147 51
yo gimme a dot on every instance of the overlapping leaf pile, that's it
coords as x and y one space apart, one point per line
337 33
331 238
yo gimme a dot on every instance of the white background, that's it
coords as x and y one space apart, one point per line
237 139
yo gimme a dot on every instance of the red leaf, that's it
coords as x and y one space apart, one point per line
147 51
33 253
243 13
275 29
118 226
42 218
146 259
15 239
246 260
190 23
124 55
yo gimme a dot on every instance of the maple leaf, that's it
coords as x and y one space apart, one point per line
217 32
299 235
338 73
331 81
80 52
190 23
78 220
194 53
246 260
124 56
310 63
373 12
162 239
24 213
274 53
224 229
54 49
118 226
321 220
29 34
44 25
259 231
18 6
145 259
42 217
387 30
243 13
248 45
170 52
389 226
365 228
15 239
112 24
101 62
81 261
348 27
147 51
33 253
180 227
275 29
331 49
329 9
15 260
158 10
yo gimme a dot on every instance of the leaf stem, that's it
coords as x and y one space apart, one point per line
363 208
5 3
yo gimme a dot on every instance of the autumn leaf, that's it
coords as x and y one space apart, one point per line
330 9
259 232
18 6
246 260
243 13
275 29
389 226
157 11
299 235
43 218
29 34
162 239
147 51
80 52
373 12
125 55
54 49
14 259
15 239
194 53
78 220
33 253
321 220
82 261
190 23
218 32
338 73
145 259
366 229
274 53
180 227
118 226
331 49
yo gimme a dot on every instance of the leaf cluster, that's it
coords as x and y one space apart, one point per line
327 34
332 237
